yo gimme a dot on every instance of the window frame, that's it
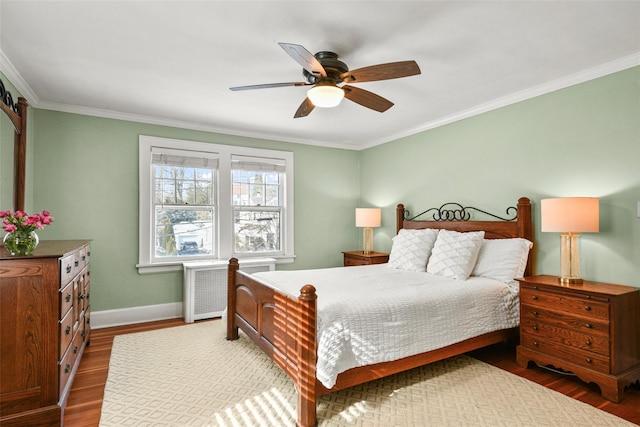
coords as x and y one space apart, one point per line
224 245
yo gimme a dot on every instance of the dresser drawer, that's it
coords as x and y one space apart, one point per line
564 320
66 299
67 331
569 337
573 355
593 307
68 361
66 269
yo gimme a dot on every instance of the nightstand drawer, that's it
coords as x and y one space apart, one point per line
564 320
579 306
360 258
587 359
553 332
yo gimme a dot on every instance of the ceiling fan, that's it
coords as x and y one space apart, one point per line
324 72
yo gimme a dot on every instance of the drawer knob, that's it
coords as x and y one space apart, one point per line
75 349
535 343
68 298
81 296
68 269
535 328
76 263
67 330
589 360
535 313
535 297
588 308
588 342
67 368
588 325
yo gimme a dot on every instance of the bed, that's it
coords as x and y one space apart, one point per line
289 325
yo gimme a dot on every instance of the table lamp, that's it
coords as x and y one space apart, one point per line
570 216
367 218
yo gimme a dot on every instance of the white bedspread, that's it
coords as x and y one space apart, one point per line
370 314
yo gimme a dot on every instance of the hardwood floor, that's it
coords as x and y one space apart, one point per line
85 399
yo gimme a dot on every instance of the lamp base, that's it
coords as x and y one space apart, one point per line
569 259
570 280
367 240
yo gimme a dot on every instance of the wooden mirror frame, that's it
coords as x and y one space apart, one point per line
17 113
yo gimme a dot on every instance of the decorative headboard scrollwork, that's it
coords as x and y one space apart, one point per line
452 211
17 113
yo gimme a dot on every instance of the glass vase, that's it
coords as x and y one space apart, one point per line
21 242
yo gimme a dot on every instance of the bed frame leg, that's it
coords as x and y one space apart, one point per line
306 326
232 329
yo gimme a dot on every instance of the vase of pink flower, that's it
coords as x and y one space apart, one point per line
21 237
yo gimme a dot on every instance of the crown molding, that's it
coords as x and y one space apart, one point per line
16 79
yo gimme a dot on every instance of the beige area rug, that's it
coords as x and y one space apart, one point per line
192 376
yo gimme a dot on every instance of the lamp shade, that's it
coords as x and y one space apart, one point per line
368 217
325 96
570 215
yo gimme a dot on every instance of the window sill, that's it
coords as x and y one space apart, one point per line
177 265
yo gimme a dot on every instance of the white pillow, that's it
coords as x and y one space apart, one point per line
410 249
502 259
454 254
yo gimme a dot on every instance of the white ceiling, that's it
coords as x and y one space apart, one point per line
172 62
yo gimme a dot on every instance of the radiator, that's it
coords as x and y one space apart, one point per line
205 286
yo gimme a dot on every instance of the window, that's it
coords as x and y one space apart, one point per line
257 204
201 201
183 204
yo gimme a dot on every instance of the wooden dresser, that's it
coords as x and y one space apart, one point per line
44 312
590 329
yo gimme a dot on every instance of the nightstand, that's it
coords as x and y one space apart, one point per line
360 258
591 329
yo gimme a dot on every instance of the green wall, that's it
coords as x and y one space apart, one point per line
86 174
580 141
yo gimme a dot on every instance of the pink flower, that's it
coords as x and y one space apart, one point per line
9 228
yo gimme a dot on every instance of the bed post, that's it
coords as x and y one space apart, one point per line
399 217
307 358
525 230
232 329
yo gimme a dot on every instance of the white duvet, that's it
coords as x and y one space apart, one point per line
374 313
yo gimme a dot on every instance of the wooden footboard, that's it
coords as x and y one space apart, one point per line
284 327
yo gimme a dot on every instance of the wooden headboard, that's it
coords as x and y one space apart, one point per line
453 216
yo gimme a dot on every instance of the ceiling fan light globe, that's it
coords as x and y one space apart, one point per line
325 96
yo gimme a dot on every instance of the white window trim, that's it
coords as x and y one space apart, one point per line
224 194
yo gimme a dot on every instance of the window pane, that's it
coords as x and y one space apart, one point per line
183 185
256 188
256 231
183 232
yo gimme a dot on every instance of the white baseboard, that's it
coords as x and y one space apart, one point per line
128 316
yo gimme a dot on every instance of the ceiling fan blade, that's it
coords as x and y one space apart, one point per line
366 98
269 85
305 58
304 109
391 70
